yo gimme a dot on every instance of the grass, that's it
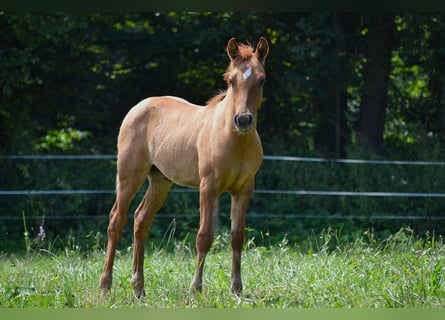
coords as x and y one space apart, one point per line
401 271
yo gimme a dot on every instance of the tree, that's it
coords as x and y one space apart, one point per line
334 75
375 80
40 77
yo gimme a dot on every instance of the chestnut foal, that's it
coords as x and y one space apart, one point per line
215 148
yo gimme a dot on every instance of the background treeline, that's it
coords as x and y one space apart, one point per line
339 85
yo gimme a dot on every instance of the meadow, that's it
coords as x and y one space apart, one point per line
326 271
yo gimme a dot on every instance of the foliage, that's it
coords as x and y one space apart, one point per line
68 79
92 68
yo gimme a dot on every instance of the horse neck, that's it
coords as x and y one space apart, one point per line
229 111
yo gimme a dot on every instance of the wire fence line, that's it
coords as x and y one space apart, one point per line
264 191
61 157
356 161
266 157
260 191
257 191
226 215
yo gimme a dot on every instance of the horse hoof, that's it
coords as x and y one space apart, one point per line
138 287
237 288
104 293
105 285
195 287
140 293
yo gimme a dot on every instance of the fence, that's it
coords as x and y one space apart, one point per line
337 193
294 196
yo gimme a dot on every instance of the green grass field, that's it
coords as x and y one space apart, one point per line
400 271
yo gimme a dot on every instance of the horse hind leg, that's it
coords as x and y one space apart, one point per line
128 183
143 219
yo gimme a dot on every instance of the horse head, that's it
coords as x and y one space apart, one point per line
245 77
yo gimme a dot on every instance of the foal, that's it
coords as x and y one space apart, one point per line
214 148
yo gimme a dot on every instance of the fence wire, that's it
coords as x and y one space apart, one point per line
266 157
7 193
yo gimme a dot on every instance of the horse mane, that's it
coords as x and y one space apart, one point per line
219 97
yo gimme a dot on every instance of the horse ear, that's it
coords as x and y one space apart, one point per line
232 49
262 49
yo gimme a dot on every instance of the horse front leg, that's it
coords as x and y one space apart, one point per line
239 203
204 237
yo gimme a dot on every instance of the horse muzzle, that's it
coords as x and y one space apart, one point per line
243 122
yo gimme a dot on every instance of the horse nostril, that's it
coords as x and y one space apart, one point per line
243 121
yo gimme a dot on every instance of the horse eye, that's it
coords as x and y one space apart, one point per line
262 80
232 80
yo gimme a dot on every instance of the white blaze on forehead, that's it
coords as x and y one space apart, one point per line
247 73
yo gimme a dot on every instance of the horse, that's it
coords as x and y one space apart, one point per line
215 148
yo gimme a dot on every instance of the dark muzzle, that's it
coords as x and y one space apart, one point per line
243 122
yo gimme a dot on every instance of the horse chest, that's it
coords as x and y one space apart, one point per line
234 172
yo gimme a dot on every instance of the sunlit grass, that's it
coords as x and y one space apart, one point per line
402 271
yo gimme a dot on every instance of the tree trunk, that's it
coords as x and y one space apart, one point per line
331 135
376 77
442 110
438 78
